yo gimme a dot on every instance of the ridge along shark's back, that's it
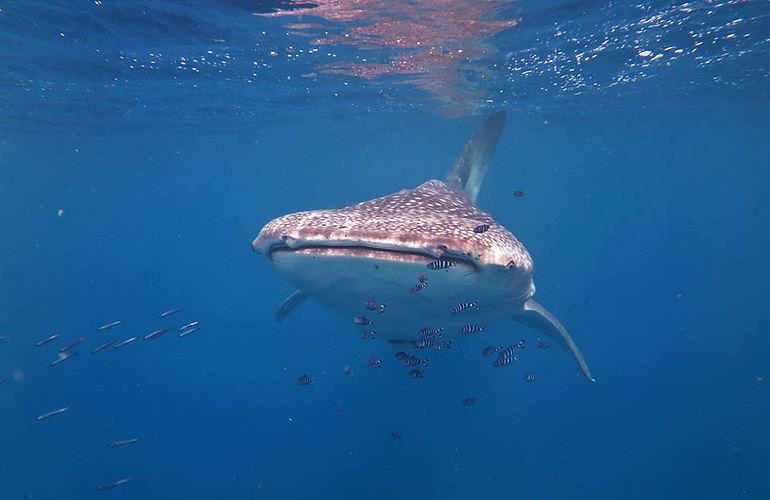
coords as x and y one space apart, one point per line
384 251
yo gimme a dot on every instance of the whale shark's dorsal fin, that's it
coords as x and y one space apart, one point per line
468 170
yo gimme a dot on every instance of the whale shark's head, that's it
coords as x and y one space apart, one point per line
378 249
431 221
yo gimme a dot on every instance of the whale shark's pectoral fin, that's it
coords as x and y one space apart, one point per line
536 316
468 170
289 304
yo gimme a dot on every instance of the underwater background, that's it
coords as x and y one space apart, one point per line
144 144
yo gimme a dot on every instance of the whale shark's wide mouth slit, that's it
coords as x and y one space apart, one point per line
402 255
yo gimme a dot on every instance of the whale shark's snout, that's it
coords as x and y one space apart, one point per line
421 251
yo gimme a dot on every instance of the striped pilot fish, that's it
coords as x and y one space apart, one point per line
439 346
469 328
409 360
371 305
464 306
362 321
423 343
416 373
430 332
439 264
506 357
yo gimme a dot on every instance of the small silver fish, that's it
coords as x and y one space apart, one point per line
47 340
304 380
543 344
123 443
191 324
374 362
369 334
124 343
114 484
418 286
469 402
46 416
168 313
102 347
72 345
529 377
423 343
348 370
63 356
188 331
110 325
481 228
156 333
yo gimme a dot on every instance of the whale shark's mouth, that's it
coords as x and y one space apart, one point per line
406 255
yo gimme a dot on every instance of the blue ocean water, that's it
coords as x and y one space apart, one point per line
144 144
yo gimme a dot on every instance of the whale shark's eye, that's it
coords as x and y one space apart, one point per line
511 265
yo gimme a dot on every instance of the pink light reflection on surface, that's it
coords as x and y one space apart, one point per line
432 44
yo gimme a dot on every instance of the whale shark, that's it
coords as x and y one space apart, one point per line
428 257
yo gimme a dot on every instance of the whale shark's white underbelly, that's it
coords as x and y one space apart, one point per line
346 281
